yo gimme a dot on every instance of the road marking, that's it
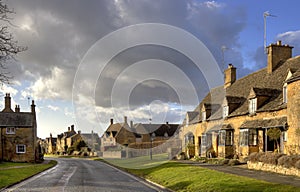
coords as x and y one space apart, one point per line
67 176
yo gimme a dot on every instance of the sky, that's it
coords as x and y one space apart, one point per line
90 61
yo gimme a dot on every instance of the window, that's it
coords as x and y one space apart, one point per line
244 137
284 94
203 115
222 137
21 149
225 111
285 136
252 137
229 138
252 105
226 137
10 130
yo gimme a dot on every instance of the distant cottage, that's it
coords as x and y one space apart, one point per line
18 140
236 119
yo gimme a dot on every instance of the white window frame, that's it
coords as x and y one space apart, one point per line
10 130
252 105
203 114
244 137
225 111
284 93
18 149
285 136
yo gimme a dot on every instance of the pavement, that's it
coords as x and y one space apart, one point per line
242 170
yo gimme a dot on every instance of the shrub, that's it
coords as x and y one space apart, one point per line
297 165
288 161
224 162
233 162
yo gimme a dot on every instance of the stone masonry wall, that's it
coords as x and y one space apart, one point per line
273 168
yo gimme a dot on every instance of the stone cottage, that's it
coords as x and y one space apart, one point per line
67 139
18 140
237 118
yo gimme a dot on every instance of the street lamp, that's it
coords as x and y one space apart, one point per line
152 137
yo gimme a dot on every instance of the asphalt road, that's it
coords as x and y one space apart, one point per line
83 175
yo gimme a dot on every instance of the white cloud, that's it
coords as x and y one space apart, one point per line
53 108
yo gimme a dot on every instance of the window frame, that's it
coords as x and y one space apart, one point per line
203 115
222 137
225 111
253 137
244 141
18 149
229 138
284 94
252 105
10 130
284 136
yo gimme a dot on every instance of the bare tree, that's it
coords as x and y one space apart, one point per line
9 47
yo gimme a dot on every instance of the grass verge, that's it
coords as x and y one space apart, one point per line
184 177
11 173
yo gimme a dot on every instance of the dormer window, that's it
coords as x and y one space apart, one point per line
252 105
225 111
203 115
284 92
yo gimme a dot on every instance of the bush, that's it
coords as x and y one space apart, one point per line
233 162
225 162
297 165
288 161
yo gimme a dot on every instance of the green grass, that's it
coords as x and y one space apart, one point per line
11 173
184 177
142 162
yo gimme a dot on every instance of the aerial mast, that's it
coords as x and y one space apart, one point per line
266 14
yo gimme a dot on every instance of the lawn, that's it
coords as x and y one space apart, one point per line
142 162
11 173
184 177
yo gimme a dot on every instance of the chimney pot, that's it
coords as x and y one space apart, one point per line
111 121
72 127
125 119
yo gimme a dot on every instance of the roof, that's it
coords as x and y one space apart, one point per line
158 129
23 119
265 123
263 83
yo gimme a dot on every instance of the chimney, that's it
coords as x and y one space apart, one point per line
72 127
111 121
32 107
17 108
7 103
51 135
79 132
229 75
277 53
131 124
125 119
167 123
69 129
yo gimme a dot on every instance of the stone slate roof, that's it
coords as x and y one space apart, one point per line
114 128
22 119
158 129
265 123
261 82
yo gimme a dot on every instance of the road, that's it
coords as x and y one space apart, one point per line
83 175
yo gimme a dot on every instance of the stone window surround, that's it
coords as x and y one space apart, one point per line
20 148
10 130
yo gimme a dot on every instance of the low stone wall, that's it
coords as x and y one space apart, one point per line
273 168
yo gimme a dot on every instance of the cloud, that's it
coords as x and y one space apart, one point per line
291 38
53 108
58 36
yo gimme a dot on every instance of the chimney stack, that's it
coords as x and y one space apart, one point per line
230 75
125 119
32 107
131 124
72 127
69 129
277 53
17 108
79 132
7 103
111 121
